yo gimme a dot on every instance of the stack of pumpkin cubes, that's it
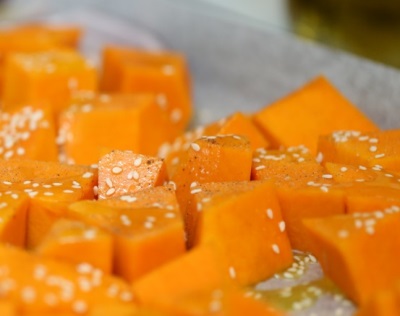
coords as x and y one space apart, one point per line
109 206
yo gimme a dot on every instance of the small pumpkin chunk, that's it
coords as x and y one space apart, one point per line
351 247
233 218
76 243
123 172
320 97
144 238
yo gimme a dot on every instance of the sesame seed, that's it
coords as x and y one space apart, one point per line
125 220
232 272
373 149
28 294
87 175
379 156
195 147
363 138
57 184
373 140
47 186
33 194
84 268
20 151
301 159
110 191
135 175
270 213
169 215
320 157
288 275
362 167
116 170
148 225
343 233
282 226
130 176
79 307
327 176
388 175
126 296
194 191
176 115
7 182
324 188
15 196
27 182
259 167
358 223
275 248
109 182
343 169
137 162
128 198
48 193
68 191
193 184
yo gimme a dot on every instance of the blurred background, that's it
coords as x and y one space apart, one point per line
367 28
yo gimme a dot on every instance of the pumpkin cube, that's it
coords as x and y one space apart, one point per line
163 74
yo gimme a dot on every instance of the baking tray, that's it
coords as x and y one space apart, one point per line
237 66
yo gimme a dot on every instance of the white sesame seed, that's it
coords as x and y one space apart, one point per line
125 220
7 182
373 149
288 275
68 191
148 225
327 176
343 233
20 151
48 193
28 294
270 213
110 191
195 147
57 184
128 198
373 140
15 196
232 272
193 184
176 115
379 156
33 194
79 307
282 226
137 162
320 157
169 215
324 188
362 167
130 176
135 175
343 169
116 170
194 191
126 296
87 175
259 167
358 223
275 248
109 182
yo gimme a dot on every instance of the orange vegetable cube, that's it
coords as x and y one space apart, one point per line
123 172
301 203
374 149
234 218
42 286
29 133
196 271
313 106
145 238
75 242
124 122
51 76
357 252
212 159
290 167
13 219
162 73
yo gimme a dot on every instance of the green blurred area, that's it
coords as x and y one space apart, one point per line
369 28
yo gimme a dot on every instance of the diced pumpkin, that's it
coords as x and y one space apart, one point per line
47 287
292 167
196 271
118 121
382 303
28 132
163 74
51 76
312 106
374 149
75 242
145 238
13 219
301 203
235 124
124 172
234 222
357 252
212 159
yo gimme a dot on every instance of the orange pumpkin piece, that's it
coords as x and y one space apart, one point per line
145 238
234 218
29 133
212 159
51 76
227 301
382 303
51 187
13 219
195 271
163 74
291 167
117 121
44 286
313 106
356 252
124 172
311 201
75 242
373 149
